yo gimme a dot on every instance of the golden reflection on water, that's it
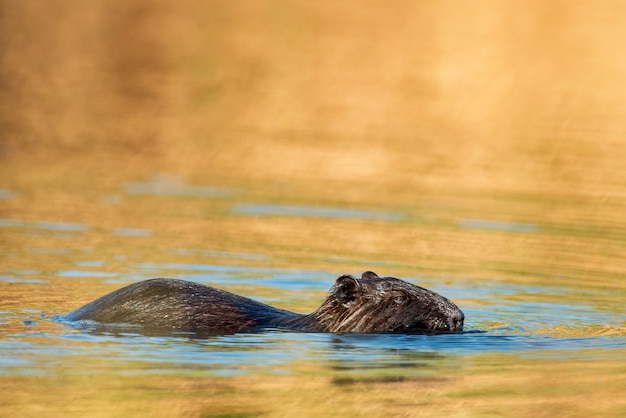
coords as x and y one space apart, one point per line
497 386
467 119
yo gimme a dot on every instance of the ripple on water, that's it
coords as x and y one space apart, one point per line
266 209
6 194
498 225
171 185
132 232
534 321
54 226
14 279
289 279
81 273
274 351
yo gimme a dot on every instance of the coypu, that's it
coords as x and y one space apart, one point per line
367 305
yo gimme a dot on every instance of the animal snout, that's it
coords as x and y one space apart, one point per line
456 322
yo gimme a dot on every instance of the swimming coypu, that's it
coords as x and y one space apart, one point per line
367 305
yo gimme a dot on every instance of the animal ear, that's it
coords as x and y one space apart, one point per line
369 275
347 290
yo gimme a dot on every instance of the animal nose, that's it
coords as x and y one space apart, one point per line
457 324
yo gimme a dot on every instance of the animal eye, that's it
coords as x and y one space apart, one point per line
399 299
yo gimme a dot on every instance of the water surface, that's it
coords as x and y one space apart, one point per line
266 149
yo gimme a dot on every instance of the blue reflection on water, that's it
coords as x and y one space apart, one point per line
55 226
520 321
498 225
13 279
132 232
322 212
80 273
274 350
291 279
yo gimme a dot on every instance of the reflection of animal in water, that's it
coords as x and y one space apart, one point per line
370 304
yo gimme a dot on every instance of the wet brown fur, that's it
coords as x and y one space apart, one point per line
367 305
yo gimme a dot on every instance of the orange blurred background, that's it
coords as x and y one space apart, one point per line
512 96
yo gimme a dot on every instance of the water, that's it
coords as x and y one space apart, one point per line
516 328
266 150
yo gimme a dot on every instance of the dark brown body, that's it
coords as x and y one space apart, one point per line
367 305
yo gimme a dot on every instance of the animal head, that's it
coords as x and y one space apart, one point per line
373 304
